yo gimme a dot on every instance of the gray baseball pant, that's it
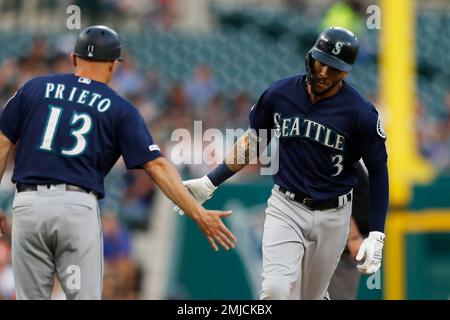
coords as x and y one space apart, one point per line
301 248
56 232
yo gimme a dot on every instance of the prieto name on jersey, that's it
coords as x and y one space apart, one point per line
59 91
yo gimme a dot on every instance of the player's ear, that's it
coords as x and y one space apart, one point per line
112 66
74 59
344 74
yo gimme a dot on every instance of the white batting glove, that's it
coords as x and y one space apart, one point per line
372 251
201 189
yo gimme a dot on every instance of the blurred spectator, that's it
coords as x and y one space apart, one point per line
7 189
146 107
117 249
9 79
215 113
441 153
177 99
201 87
176 113
138 198
117 240
351 14
97 10
60 63
437 146
7 289
36 62
128 80
446 116
115 186
346 14
242 104
426 130
154 87
91 9
298 5
163 17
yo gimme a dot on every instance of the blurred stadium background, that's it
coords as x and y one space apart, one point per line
210 60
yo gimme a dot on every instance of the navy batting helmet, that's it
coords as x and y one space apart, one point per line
98 43
336 47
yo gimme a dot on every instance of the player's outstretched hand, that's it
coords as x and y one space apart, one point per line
372 251
201 189
212 226
2 224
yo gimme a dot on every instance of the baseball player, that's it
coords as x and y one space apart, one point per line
70 129
324 125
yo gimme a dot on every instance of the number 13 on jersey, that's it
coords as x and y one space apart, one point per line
80 133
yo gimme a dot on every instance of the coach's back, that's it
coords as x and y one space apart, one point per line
73 129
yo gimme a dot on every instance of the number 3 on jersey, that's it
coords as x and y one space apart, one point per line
79 133
336 161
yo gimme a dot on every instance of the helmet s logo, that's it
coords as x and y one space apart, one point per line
337 48
90 51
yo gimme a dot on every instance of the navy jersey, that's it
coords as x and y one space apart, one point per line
319 142
73 130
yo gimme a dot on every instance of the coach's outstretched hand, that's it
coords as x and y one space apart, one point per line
372 251
210 223
201 189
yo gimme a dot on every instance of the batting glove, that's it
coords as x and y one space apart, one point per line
201 189
371 250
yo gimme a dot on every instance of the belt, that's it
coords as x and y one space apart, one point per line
313 205
22 187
